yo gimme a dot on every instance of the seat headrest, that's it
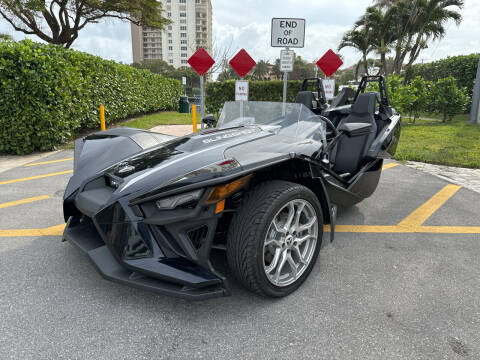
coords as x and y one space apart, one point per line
305 98
365 103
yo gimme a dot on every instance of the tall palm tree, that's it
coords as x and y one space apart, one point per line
357 39
430 24
378 23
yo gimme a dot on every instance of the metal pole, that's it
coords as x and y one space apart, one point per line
285 81
202 100
102 118
475 112
194 118
241 107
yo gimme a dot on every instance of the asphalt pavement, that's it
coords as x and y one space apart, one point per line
401 281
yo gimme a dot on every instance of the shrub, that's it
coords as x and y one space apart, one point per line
447 98
415 97
442 96
49 93
463 68
220 92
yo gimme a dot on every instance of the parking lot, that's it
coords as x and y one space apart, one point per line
400 281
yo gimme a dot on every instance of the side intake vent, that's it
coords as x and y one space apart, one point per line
198 236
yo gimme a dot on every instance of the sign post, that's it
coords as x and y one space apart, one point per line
241 90
201 62
184 82
329 63
287 33
287 58
329 88
475 112
242 63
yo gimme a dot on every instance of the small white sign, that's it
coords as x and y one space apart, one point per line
287 58
288 33
241 90
329 88
184 80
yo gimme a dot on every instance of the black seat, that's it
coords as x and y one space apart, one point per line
351 151
305 98
343 97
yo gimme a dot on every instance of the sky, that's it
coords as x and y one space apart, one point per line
246 24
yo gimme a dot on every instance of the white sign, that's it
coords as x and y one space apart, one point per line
241 90
329 88
184 80
288 33
287 58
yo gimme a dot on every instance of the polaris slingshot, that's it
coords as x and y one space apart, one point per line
150 210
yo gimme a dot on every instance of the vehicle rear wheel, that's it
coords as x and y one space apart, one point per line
275 237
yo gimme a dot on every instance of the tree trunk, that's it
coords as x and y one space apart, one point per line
383 59
356 70
365 63
414 52
398 54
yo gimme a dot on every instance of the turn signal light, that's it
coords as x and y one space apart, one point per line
221 192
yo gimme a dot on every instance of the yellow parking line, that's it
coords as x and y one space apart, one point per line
48 162
387 229
24 201
389 166
449 229
419 216
35 177
380 229
50 231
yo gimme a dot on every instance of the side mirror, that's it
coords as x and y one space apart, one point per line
209 121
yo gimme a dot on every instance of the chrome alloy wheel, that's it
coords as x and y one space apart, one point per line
290 242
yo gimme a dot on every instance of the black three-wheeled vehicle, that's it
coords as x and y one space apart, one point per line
150 210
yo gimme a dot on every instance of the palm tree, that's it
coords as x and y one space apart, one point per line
430 24
385 3
378 23
261 70
358 39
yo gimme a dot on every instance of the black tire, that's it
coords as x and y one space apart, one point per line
249 227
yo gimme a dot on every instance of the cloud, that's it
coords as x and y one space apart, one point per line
246 24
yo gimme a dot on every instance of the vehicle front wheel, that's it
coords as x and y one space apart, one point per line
275 237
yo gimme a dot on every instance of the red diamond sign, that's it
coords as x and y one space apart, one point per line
201 61
242 63
329 63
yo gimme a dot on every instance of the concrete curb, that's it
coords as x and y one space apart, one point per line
8 162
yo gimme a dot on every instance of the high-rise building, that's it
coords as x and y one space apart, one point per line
191 28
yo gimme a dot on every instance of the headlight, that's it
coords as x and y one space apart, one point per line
175 201
113 181
220 193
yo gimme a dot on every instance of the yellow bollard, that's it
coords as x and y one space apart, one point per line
194 118
102 118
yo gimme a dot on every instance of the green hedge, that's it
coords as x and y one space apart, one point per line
418 96
220 92
49 93
463 68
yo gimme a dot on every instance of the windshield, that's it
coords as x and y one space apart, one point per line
294 120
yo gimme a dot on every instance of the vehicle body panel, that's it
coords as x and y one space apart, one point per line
112 209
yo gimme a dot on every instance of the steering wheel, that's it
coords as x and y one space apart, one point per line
329 125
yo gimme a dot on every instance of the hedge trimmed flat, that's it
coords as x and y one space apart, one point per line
158 212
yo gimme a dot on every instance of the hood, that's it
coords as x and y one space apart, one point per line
158 166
